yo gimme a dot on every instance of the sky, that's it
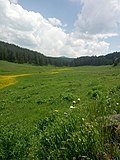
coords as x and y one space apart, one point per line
71 28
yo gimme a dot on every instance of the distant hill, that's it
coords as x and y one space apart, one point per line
66 59
13 53
109 59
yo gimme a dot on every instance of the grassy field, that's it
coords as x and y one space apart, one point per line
57 113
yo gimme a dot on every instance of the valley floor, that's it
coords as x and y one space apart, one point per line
59 113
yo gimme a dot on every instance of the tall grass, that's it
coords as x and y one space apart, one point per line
41 117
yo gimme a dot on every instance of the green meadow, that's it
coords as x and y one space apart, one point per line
54 113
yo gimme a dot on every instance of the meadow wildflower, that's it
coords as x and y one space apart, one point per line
56 110
83 119
71 107
74 102
8 80
117 103
78 99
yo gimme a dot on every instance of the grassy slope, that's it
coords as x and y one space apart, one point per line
50 90
35 92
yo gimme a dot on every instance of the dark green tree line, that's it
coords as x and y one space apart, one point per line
13 53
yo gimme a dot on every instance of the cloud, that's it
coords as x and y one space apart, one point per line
99 17
32 30
55 21
13 1
83 47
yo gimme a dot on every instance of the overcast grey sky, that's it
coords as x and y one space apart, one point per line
70 28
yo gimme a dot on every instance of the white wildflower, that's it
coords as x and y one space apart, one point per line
71 107
74 102
78 99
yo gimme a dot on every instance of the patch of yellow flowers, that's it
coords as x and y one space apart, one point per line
58 70
7 80
53 72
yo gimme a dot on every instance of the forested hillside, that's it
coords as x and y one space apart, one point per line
13 53
109 59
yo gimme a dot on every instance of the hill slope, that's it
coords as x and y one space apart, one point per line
13 53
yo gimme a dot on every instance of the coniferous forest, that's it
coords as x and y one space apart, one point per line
13 53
